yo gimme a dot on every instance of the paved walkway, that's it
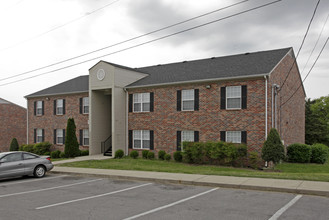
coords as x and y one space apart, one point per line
278 185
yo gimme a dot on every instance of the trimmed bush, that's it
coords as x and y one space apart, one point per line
41 148
14 145
320 153
161 154
253 160
299 153
273 149
63 155
84 153
193 152
47 153
242 150
71 142
167 157
134 154
144 154
178 157
118 154
55 154
150 155
28 148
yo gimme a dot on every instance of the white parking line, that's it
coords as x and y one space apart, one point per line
92 197
284 208
28 181
169 205
51 188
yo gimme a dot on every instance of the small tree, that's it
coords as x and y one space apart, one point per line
273 149
14 145
71 143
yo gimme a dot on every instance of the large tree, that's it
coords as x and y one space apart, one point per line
71 141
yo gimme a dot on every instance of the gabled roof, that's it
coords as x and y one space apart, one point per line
75 85
2 101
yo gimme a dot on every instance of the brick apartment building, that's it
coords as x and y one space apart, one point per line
13 124
234 98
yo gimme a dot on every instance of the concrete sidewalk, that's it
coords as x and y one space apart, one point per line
278 185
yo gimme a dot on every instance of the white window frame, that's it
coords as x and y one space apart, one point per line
187 99
59 107
59 134
187 135
233 137
142 134
85 105
143 100
39 136
233 97
85 137
39 108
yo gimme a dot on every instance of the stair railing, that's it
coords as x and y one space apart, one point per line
107 144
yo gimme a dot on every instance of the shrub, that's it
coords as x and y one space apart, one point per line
161 154
167 157
47 153
299 153
320 153
14 145
63 155
55 154
193 152
134 154
253 160
28 148
41 148
20 148
84 152
178 157
144 154
119 154
242 150
71 143
150 155
273 149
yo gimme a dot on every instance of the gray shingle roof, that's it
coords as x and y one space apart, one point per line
234 66
75 85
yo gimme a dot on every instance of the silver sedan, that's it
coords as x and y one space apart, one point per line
20 163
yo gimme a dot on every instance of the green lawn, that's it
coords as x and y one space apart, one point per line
314 172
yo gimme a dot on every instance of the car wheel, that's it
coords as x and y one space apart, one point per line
39 171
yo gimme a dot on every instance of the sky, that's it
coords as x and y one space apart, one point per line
39 33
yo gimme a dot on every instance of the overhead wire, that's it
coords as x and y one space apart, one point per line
147 42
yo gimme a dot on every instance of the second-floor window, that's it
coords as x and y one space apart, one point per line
85 105
142 102
188 100
233 97
59 107
39 110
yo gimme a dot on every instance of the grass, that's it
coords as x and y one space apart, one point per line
314 172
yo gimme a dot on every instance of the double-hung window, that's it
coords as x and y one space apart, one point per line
39 135
233 97
39 109
59 136
188 100
141 139
85 105
142 102
59 107
233 136
85 137
188 136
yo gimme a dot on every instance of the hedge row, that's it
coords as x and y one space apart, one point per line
303 153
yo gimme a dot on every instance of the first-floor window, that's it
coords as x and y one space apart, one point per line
141 139
188 136
59 136
39 135
85 137
233 136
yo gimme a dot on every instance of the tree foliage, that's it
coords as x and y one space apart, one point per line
14 145
71 141
273 149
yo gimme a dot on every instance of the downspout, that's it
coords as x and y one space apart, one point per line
272 119
27 122
265 107
127 141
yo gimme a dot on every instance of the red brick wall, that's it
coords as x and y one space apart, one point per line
49 121
209 120
13 125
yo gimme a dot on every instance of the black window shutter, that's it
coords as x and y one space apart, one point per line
35 135
223 98
43 107
196 99
151 102
63 136
81 136
179 139
130 144
244 96
196 136
130 102
55 106
223 136
179 100
244 137
151 140
63 106
35 108
43 135
55 136
80 105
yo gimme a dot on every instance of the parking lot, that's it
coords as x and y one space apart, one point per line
73 197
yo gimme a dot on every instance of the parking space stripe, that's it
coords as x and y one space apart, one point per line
169 205
51 188
284 208
28 181
93 197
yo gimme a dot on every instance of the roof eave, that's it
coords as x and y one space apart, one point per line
55 94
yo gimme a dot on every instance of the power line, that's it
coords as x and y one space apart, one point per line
300 48
307 73
60 26
125 41
147 42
